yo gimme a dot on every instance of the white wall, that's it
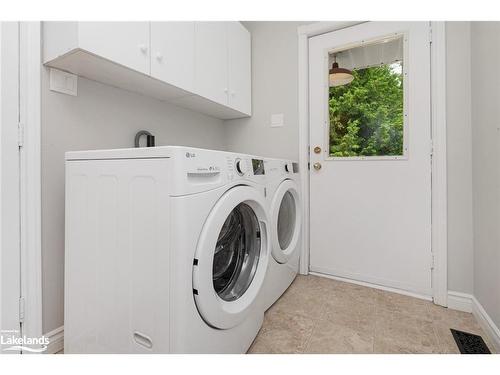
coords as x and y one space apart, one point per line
485 38
99 117
274 90
458 105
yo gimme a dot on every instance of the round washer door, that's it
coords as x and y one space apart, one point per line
285 221
231 258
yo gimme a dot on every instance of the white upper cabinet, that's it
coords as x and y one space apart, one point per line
124 43
173 53
211 61
240 71
203 66
223 64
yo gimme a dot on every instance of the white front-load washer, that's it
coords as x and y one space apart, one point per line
166 251
285 215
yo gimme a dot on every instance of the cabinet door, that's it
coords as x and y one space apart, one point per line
239 51
126 43
172 53
211 61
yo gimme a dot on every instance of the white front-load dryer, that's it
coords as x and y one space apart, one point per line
285 215
167 249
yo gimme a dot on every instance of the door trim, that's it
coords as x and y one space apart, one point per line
30 117
439 184
10 252
439 241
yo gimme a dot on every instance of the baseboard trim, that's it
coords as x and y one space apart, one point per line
374 282
486 323
468 303
460 301
56 340
371 285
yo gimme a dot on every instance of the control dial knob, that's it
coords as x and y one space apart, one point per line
241 167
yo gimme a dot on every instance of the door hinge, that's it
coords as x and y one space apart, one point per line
20 134
308 165
432 148
430 34
433 261
21 309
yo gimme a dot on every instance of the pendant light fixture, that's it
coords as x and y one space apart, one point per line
339 76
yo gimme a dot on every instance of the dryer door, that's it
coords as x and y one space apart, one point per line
231 258
285 221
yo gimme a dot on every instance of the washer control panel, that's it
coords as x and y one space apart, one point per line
243 167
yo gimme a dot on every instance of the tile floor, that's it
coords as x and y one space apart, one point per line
320 315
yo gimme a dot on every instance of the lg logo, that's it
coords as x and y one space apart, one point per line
190 154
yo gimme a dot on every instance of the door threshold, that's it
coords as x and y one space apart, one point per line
371 285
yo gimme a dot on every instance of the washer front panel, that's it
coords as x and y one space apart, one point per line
231 258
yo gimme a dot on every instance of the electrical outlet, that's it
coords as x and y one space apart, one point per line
277 120
63 82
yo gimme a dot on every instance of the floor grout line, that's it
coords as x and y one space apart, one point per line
316 321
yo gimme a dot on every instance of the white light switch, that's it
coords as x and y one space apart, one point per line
63 82
277 120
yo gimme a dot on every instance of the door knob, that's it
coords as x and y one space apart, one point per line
159 56
317 150
143 48
317 166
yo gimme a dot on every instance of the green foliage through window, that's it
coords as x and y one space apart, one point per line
366 116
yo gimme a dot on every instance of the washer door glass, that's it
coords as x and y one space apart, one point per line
286 220
237 253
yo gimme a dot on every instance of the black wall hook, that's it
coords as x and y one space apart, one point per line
150 138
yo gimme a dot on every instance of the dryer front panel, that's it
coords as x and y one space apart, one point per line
285 221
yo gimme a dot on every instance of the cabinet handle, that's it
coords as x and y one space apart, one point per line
143 48
159 57
226 90
233 93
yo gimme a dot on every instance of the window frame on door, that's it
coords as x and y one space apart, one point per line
326 140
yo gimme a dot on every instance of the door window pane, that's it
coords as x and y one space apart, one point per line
367 115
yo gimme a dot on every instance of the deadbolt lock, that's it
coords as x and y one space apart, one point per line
317 150
317 166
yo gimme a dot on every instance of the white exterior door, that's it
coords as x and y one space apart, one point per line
370 206
10 252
